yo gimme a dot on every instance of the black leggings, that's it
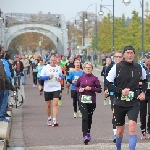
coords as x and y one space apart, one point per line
75 97
28 71
35 78
143 114
87 112
113 101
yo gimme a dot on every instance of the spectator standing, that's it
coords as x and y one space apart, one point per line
25 64
19 68
5 85
95 59
89 57
103 57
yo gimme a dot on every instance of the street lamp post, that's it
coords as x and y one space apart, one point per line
101 13
1 26
113 42
83 32
95 23
127 2
83 38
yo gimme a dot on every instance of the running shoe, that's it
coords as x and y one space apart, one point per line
55 124
89 136
79 113
105 102
6 115
143 136
109 102
75 115
59 102
86 140
148 135
5 120
49 122
41 93
67 92
114 140
33 85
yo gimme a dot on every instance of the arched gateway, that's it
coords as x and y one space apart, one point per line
53 26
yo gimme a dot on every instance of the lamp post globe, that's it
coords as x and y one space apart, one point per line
86 20
101 13
126 2
75 25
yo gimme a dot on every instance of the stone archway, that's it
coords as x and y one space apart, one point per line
61 40
50 35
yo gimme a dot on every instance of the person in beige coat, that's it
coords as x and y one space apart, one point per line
25 64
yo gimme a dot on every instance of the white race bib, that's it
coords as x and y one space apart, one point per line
54 79
86 99
34 70
129 97
71 69
76 78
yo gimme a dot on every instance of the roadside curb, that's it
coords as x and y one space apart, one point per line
2 144
5 129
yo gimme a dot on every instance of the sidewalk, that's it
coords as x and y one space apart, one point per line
5 128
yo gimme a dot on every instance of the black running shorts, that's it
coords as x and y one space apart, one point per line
120 113
50 95
75 94
41 82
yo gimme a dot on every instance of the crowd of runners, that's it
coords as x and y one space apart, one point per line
126 84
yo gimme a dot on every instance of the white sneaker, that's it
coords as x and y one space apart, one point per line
33 85
148 135
49 123
79 113
75 115
109 102
143 136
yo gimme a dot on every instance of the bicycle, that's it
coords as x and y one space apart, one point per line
17 97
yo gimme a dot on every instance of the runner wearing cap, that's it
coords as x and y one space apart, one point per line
127 75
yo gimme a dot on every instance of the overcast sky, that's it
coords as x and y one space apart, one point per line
67 7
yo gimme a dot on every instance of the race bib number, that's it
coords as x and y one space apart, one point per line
76 78
34 70
54 79
86 99
70 69
148 87
129 97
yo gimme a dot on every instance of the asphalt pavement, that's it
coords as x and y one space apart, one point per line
29 128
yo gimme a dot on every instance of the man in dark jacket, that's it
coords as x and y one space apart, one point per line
19 68
4 86
127 76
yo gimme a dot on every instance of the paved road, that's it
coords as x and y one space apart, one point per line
36 135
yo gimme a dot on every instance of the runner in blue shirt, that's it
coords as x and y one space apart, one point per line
72 78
